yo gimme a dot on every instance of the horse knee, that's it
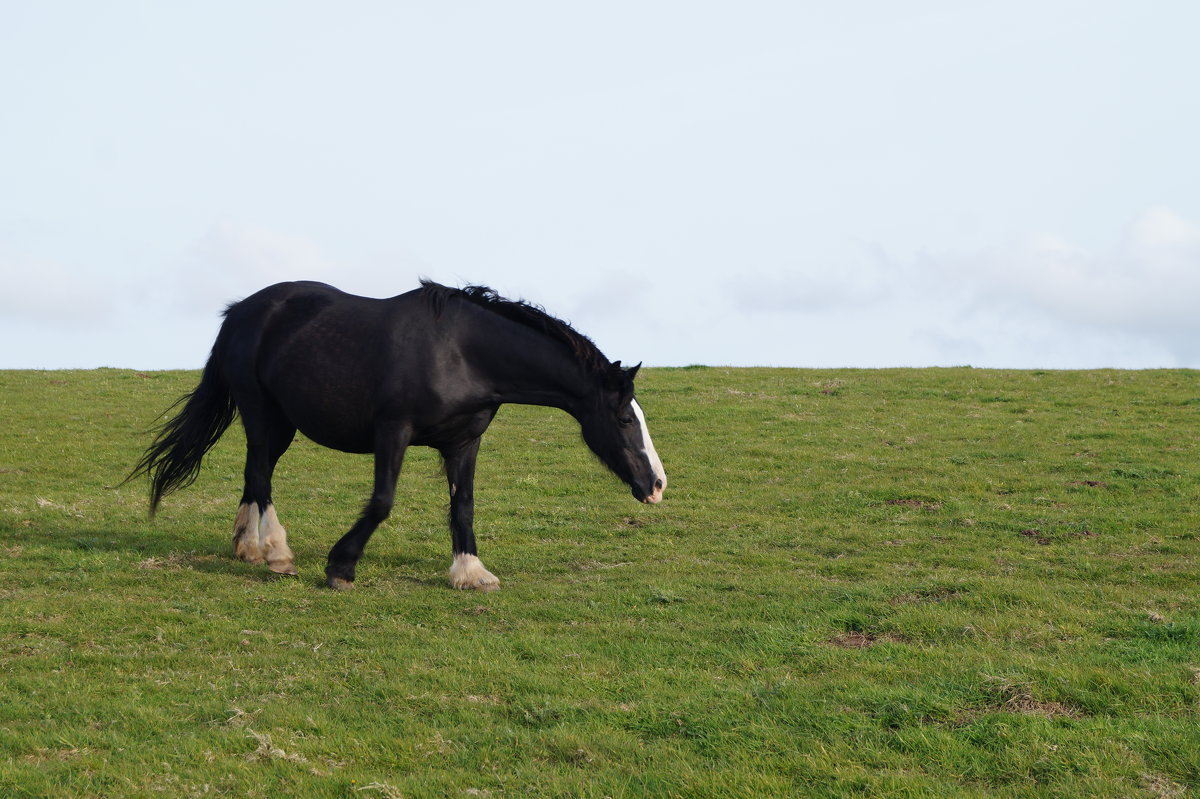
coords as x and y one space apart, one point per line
378 509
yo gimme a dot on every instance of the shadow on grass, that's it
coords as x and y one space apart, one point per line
37 554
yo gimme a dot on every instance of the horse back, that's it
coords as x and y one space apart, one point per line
332 362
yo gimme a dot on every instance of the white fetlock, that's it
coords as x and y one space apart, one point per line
245 534
273 541
467 571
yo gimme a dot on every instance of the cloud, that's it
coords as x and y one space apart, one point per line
1039 301
73 297
813 291
232 261
1144 286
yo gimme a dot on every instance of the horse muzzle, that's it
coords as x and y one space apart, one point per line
654 497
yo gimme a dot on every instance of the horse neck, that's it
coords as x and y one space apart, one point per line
529 368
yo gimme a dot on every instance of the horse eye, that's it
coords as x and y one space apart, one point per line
626 421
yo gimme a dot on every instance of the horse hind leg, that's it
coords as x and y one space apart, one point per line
258 537
273 541
245 534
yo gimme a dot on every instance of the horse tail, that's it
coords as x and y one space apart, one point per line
173 460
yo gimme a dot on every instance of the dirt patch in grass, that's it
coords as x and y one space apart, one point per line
916 504
861 640
1027 705
176 561
1158 785
1037 536
1017 697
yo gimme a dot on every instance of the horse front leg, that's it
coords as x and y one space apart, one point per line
467 570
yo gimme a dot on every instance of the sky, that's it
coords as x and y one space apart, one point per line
870 184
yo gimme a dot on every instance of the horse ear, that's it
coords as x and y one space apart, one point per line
633 370
619 378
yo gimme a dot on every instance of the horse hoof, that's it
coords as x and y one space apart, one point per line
283 569
477 586
467 572
338 584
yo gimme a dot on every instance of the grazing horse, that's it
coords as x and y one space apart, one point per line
430 367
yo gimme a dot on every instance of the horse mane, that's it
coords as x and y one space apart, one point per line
524 313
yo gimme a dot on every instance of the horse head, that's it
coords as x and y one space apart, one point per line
614 427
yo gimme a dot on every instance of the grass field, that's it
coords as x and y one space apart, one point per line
948 582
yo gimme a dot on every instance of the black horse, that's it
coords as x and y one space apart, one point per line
430 367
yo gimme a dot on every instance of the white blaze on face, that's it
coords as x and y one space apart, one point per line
651 455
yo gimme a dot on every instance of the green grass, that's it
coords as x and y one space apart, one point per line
948 582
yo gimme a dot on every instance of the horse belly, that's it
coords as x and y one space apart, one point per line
328 412
357 441
330 421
